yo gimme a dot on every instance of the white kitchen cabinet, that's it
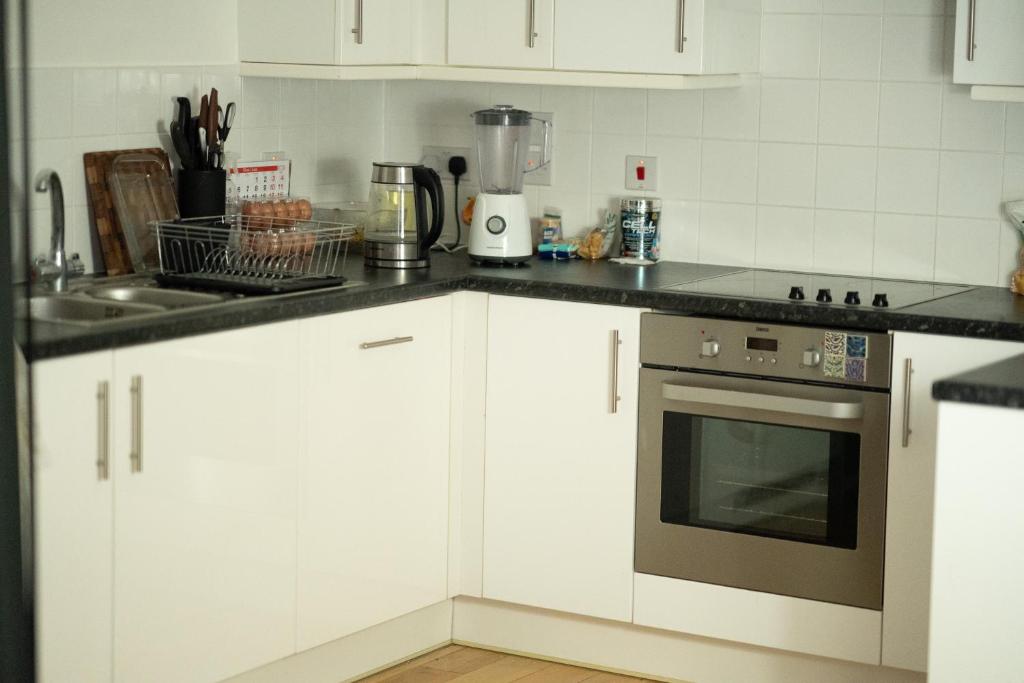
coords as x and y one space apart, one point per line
328 31
373 521
501 33
74 521
658 36
560 462
911 485
988 42
204 461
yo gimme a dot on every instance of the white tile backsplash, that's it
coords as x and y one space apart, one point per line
850 116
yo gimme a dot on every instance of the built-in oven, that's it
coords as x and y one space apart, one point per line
762 457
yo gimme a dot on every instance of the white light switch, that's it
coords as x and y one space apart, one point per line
641 173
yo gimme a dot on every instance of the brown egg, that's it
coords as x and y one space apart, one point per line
305 209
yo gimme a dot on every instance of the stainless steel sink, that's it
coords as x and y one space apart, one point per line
165 298
79 310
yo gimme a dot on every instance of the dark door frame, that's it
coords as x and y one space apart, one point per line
17 637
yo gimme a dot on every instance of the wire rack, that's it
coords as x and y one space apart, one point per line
252 249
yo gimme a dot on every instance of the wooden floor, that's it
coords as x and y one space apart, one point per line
470 665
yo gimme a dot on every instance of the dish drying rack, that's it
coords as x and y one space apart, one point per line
252 254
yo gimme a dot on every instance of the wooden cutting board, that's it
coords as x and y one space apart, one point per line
102 214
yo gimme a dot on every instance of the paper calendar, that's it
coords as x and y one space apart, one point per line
259 179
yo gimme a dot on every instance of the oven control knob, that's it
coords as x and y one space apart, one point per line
880 301
796 293
811 358
710 348
824 296
852 298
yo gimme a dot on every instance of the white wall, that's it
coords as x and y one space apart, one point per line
853 152
102 76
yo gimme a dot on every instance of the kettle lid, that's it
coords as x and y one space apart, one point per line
502 115
393 172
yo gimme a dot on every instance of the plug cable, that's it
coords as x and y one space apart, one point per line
457 167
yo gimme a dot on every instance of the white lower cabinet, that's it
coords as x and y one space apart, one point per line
919 360
560 456
206 449
373 519
74 518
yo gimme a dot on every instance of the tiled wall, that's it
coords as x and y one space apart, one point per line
852 152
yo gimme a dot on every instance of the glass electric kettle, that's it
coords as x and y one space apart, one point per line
399 231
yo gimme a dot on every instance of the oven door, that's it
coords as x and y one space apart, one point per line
764 485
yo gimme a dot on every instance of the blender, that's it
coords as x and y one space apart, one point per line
500 231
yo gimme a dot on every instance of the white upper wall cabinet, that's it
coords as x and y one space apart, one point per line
501 33
658 36
330 32
988 42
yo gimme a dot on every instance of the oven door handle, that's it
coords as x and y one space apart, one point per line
836 410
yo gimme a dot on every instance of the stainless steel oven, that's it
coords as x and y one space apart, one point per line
762 457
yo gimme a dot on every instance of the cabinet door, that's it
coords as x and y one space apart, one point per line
640 36
373 520
560 465
376 32
73 518
911 489
204 561
498 33
293 32
997 55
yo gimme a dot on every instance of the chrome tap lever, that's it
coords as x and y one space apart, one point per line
56 265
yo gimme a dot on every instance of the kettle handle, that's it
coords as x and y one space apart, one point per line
426 178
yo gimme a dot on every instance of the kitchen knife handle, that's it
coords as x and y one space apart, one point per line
972 11
135 455
908 371
613 384
531 31
358 30
681 28
103 431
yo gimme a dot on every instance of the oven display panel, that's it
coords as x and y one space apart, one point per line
762 344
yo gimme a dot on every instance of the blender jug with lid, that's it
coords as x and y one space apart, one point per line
503 146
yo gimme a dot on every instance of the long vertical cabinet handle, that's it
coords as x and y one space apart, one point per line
908 371
972 11
358 30
531 31
681 28
136 443
103 430
613 383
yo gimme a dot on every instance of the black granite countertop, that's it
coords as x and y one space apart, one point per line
984 312
997 384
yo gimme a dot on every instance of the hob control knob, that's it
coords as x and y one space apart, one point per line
852 298
710 349
824 296
811 358
880 301
796 293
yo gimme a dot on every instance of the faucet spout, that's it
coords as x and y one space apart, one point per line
48 180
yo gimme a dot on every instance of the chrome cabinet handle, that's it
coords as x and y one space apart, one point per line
908 371
531 33
681 28
972 10
613 384
837 410
135 456
358 30
103 431
385 342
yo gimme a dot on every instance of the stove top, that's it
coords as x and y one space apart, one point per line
820 290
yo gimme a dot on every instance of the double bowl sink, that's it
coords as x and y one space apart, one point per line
95 304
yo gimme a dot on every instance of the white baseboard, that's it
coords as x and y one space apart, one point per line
362 653
653 653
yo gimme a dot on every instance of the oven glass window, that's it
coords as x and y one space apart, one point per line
764 479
